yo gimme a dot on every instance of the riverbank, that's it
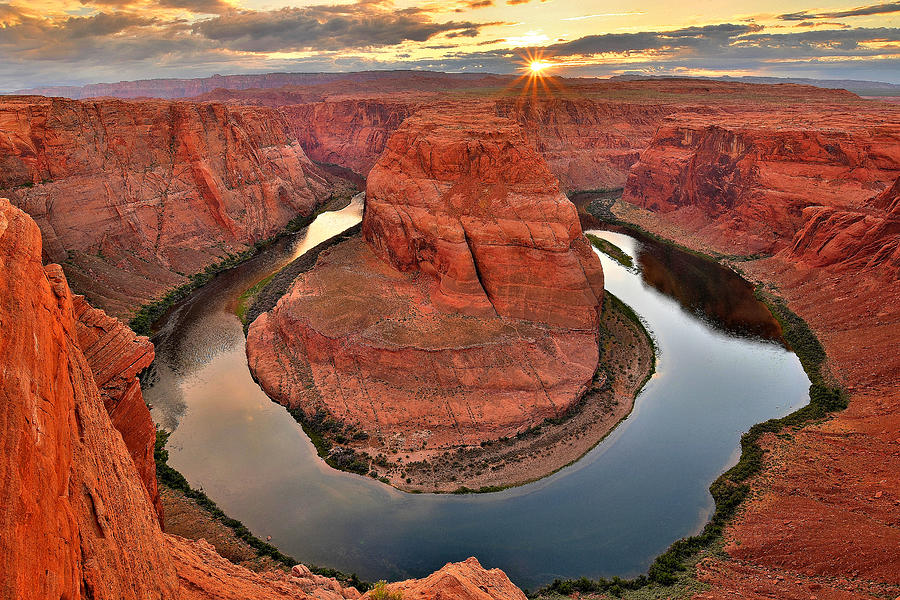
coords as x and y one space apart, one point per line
627 361
773 471
146 315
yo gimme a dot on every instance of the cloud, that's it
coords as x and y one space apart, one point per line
599 15
326 27
863 11
696 38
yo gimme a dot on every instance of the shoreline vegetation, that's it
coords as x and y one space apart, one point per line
672 572
148 314
611 250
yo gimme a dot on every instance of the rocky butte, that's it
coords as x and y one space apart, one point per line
467 311
76 517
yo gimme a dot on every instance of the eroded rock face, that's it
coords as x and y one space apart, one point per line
744 178
116 356
462 197
351 133
867 238
75 517
587 144
131 196
468 313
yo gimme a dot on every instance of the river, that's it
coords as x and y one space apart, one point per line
721 368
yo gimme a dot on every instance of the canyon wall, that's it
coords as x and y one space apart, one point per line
469 311
746 178
351 133
587 144
76 520
813 200
133 196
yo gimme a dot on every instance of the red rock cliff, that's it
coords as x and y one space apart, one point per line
131 196
351 133
462 197
745 177
75 518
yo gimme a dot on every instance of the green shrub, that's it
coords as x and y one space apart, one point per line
382 592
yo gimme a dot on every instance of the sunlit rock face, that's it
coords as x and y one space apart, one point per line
467 312
750 179
462 197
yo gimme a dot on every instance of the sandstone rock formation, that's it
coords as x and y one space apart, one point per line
133 196
464 198
819 192
75 518
116 356
351 133
743 178
469 314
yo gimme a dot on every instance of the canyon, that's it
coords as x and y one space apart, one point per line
77 515
795 187
134 197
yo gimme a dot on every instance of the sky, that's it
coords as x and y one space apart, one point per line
72 42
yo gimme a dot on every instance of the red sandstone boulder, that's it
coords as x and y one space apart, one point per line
466 580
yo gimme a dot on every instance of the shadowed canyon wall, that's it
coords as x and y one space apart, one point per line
133 196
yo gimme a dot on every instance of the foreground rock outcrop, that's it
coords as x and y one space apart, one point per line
466 580
76 519
469 312
133 196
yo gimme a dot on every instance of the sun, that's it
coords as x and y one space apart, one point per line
537 66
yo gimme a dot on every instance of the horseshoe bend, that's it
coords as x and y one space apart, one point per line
465 336
467 311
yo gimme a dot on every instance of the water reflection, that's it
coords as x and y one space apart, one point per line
707 290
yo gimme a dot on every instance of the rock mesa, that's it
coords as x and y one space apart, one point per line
468 311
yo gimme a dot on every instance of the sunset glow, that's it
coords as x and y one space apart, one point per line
59 42
537 66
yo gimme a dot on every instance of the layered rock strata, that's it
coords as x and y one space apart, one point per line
745 179
822 199
132 196
469 310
